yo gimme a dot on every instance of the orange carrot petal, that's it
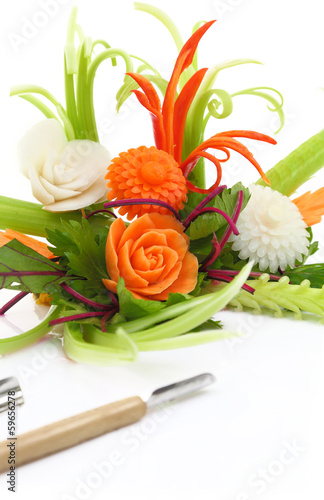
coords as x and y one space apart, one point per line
181 109
184 59
311 206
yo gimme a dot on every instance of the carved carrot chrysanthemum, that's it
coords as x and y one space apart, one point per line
146 173
161 172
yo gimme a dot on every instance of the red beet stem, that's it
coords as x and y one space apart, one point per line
142 201
82 298
12 302
76 317
101 211
195 214
227 279
235 216
105 317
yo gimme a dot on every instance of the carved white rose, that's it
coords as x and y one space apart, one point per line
64 175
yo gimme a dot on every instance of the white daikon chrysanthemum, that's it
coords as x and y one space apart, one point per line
271 230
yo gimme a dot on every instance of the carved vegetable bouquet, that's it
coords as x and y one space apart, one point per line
140 254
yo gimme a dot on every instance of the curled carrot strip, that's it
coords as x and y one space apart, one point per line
216 162
225 140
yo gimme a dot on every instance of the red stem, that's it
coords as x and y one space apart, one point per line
228 279
195 214
253 274
12 302
142 201
105 317
82 298
235 216
76 317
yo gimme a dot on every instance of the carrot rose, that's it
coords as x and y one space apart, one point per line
152 256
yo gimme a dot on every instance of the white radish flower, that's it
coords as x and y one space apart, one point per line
64 175
271 230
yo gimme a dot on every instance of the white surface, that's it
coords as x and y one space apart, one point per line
269 393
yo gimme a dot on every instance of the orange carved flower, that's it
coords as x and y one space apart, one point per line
146 173
152 256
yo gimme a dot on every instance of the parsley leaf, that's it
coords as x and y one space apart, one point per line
209 222
131 308
312 272
83 252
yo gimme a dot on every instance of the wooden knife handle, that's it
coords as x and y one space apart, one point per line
71 431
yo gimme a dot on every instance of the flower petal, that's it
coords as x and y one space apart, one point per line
115 233
57 192
81 160
92 195
132 279
33 148
186 280
38 189
110 285
136 229
159 287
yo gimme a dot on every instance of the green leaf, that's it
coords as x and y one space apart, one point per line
200 279
177 298
60 241
132 308
312 272
208 223
16 257
201 248
313 245
210 323
84 253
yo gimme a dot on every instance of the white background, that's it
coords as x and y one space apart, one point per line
269 394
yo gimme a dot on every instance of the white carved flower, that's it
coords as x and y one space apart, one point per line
271 230
64 175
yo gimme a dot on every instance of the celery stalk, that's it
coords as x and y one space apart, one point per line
28 338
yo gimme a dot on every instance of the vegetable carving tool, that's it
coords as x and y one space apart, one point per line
66 433
10 391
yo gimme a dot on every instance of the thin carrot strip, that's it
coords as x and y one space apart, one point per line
181 109
248 134
148 89
216 162
168 104
157 122
184 59
227 142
